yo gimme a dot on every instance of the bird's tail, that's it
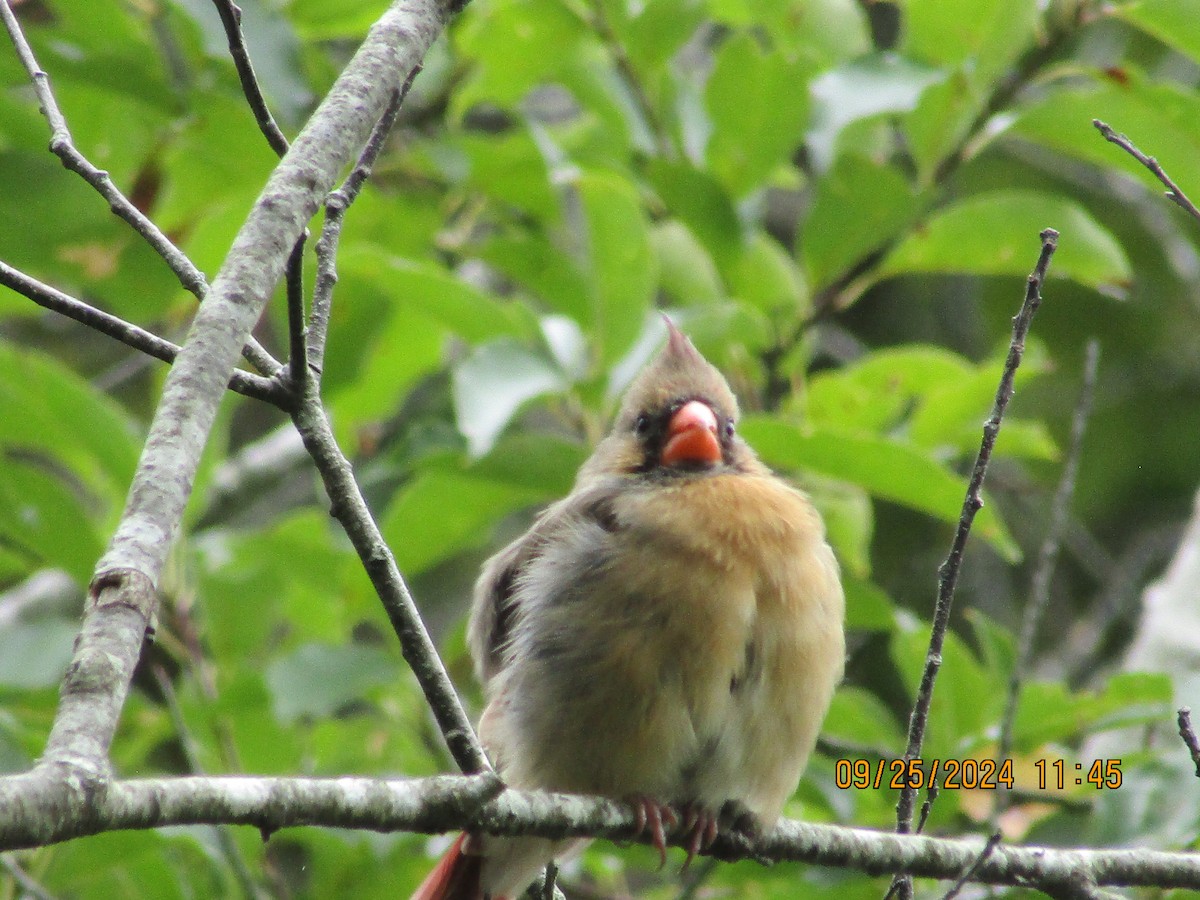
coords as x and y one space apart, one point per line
455 877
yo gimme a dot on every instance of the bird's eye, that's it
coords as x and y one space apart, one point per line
729 428
641 424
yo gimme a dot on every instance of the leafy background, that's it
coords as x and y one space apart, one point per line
838 201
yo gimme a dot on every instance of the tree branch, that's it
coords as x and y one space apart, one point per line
350 509
336 205
122 598
245 383
449 803
948 572
231 21
62 146
1173 191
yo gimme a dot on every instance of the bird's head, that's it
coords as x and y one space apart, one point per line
678 416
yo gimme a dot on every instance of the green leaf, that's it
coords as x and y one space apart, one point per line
868 607
557 462
860 206
988 33
47 521
493 383
444 512
758 103
859 718
849 521
624 271
876 85
543 269
1171 21
318 20
317 680
511 169
662 27
767 277
541 38
1050 712
705 208
688 275
165 866
462 308
997 234
951 415
887 468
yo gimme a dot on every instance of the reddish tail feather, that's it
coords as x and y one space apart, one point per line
455 877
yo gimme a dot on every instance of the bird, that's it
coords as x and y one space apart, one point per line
670 634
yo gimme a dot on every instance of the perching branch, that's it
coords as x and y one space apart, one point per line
450 803
948 572
62 146
1173 191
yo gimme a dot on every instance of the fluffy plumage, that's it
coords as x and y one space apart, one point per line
670 632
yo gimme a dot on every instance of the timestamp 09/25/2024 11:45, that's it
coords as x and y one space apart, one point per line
972 774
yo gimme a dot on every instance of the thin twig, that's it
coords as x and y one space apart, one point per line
29 887
1173 191
948 572
297 338
245 383
336 204
1043 573
992 843
62 146
350 508
1189 736
231 20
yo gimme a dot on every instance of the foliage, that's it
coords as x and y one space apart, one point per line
839 202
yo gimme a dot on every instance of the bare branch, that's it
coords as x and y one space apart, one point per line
1189 736
246 383
948 572
1173 191
349 508
297 337
62 146
43 811
966 877
336 205
231 20
123 599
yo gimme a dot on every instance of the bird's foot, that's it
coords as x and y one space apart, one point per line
650 816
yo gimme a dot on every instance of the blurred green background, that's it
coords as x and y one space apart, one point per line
838 201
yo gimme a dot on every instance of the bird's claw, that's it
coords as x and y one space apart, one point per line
650 816
700 829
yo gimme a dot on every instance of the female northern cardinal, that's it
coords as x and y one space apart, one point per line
669 633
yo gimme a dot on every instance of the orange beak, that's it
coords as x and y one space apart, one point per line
692 436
